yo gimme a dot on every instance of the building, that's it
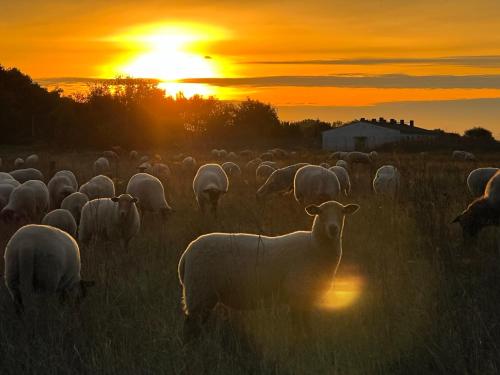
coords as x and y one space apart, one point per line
369 134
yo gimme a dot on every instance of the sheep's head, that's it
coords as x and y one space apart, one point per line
476 216
329 217
126 202
77 293
275 183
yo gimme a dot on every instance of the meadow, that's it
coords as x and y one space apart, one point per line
409 297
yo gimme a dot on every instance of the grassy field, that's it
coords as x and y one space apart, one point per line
409 299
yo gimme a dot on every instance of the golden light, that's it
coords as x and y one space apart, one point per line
169 53
345 291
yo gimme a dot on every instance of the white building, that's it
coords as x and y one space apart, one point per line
368 134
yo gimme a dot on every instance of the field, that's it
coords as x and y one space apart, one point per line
409 297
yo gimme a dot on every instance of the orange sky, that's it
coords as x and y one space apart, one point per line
249 39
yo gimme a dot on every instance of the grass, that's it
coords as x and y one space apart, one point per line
426 303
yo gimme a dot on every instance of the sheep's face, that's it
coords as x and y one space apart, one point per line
329 217
126 203
478 215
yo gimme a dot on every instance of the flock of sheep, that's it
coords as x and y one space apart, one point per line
237 270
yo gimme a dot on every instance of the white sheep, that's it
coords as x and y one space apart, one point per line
189 164
232 169
98 187
263 172
279 181
161 171
339 155
109 219
62 184
267 156
6 178
483 211
43 259
343 164
62 219
215 153
209 184
18 163
253 164
242 271
74 204
223 154
150 194
463 155
373 155
325 165
5 192
358 157
145 167
133 155
314 185
477 180
111 155
232 156
32 160
26 174
270 163
343 177
101 166
27 203
387 181
144 159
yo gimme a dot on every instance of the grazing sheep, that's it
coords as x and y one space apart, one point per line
386 181
74 204
270 163
18 163
144 159
23 175
232 169
62 184
246 154
32 160
133 155
373 155
358 157
145 167
243 270
6 178
223 154
267 156
477 180
253 164
339 155
189 164
314 185
343 177
279 153
110 219
62 219
483 211
325 165
150 194
232 156
280 181
161 171
263 172
111 155
5 192
343 164
43 259
463 155
215 153
209 184
98 187
27 203
101 166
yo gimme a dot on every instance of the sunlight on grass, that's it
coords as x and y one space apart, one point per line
346 290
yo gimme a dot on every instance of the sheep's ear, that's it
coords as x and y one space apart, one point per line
115 199
457 219
313 210
349 209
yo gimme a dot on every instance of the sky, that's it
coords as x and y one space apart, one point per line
437 63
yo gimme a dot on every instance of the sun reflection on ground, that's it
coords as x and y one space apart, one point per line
346 290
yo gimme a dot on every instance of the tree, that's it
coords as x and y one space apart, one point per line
479 134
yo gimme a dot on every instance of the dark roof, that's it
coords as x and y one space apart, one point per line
404 129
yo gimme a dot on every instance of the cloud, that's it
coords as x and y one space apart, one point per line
375 81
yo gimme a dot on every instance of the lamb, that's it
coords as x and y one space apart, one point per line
23 175
189 163
343 177
280 181
386 181
343 164
98 187
32 160
27 203
109 219
477 180
74 204
463 155
243 270
263 172
62 219
209 184
43 259
232 169
483 211
358 157
62 184
101 166
314 185
19 162
150 194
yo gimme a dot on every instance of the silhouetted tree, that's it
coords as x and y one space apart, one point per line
479 134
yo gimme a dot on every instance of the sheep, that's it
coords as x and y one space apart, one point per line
43 259
477 180
133 155
232 156
270 163
110 155
101 166
358 157
280 181
23 175
209 184
6 178
62 219
279 153
144 159
215 153
253 164
267 156
27 203
463 155
314 185
483 211
150 194
62 184
325 165
241 271
246 154
74 204
223 154
339 155
373 155
32 160
263 172
232 169
19 162
161 171
145 167
98 187
110 219
5 192
343 177
386 181
189 164
343 164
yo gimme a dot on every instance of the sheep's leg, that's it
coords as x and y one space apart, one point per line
18 301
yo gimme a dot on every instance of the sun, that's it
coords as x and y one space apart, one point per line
170 52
